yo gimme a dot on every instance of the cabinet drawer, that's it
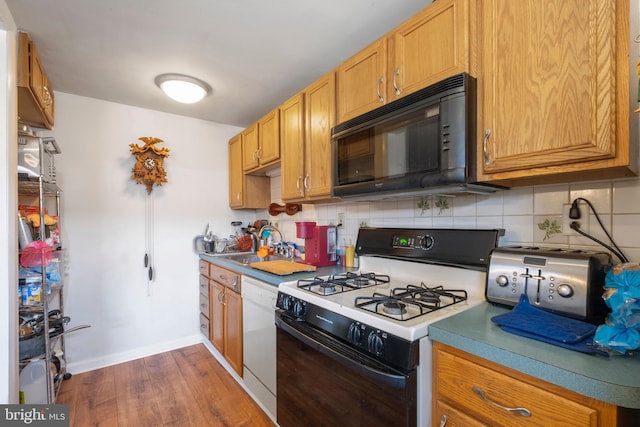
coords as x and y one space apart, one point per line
204 285
204 304
457 376
230 279
204 267
445 415
204 325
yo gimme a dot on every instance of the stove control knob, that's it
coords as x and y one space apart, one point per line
565 290
375 343
426 242
285 303
298 308
354 335
502 280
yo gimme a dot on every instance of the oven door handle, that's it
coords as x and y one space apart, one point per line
342 354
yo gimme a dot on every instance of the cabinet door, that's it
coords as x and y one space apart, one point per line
35 96
429 47
250 148
292 138
40 85
216 318
549 87
320 117
236 175
362 81
245 191
269 138
233 330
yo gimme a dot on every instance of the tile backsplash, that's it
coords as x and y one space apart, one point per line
529 215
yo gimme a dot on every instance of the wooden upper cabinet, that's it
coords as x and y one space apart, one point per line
35 95
554 93
320 101
305 128
293 153
362 81
269 138
236 175
250 148
261 143
245 191
432 45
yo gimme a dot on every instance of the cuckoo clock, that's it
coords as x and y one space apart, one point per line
149 167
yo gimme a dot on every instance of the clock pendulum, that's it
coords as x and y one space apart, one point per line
149 170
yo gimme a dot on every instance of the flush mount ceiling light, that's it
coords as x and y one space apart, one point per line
181 88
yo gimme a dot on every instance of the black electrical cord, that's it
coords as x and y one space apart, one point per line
574 213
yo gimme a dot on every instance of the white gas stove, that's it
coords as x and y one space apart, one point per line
393 295
380 315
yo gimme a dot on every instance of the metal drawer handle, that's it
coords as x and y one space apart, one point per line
443 421
521 411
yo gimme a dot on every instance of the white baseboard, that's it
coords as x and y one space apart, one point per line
137 353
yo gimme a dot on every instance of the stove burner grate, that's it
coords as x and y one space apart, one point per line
339 283
411 301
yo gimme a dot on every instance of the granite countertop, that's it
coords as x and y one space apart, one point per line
272 279
614 379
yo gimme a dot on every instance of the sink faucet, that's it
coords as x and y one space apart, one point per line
271 229
281 247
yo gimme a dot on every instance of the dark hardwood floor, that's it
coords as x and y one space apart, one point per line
184 387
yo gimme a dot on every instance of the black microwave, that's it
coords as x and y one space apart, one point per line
423 143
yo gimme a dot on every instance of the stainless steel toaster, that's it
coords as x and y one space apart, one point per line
567 282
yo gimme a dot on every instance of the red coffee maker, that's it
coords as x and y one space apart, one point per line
319 243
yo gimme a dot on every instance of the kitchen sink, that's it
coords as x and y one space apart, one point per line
246 258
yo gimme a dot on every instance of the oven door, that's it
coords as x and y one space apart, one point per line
324 382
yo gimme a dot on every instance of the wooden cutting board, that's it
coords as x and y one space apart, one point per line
282 267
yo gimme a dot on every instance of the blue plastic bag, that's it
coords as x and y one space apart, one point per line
621 333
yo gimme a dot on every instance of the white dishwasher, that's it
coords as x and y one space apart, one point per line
259 340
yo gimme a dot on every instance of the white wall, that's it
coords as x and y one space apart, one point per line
103 227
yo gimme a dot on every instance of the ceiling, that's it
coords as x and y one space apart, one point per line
254 53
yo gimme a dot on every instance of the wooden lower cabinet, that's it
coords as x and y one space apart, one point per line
225 314
233 330
456 374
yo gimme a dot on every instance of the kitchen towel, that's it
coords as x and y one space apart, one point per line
531 322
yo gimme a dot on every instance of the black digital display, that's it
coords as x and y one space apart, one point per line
403 242
540 262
